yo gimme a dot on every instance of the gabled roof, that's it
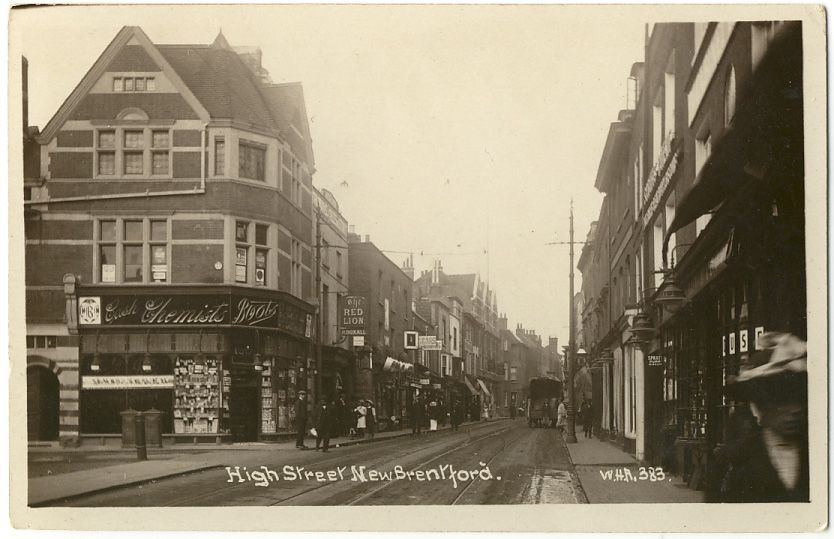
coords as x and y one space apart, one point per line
127 35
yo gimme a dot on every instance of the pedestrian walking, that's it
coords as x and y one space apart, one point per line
325 423
587 413
417 416
370 419
300 410
433 408
561 417
361 413
455 414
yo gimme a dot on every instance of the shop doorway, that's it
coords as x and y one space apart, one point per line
42 400
243 407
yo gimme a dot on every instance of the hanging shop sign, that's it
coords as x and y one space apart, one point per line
428 342
742 340
425 381
410 340
352 315
158 310
358 340
759 332
655 360
160 381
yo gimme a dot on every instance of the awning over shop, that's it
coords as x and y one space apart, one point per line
767 124
484 387
469 385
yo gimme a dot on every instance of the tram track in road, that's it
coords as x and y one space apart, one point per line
207 488
333 460
382 461
422 465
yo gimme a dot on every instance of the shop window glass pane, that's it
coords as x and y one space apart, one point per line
161 139
133 230
107 258
133 263
140 84
133 162
134 139
107 231
106 163
160 163
260 234
159 230
106 139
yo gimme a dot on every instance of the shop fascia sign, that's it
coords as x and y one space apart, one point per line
192 310
140 381
660 180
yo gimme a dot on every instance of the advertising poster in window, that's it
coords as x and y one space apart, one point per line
108 273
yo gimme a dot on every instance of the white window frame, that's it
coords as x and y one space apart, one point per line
118 150
120 242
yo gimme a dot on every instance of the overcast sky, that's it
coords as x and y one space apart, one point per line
452 130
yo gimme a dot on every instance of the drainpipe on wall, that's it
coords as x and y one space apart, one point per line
147 193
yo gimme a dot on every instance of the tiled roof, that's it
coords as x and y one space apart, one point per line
220 80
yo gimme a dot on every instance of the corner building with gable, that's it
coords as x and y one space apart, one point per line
169 248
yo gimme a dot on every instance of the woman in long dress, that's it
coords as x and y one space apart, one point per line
561 416
361 411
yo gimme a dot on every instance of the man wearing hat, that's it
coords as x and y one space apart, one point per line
766 460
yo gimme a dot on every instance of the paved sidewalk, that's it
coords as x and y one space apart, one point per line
163 464
610 475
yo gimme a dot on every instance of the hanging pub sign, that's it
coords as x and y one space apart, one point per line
352 315
179 310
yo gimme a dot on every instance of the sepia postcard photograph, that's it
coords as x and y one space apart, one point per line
561 267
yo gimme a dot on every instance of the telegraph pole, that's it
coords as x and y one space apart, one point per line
571 409
320 306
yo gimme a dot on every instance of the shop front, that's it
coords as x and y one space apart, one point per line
219 364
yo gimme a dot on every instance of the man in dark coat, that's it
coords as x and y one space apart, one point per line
418 415
325 421
340 409
455 414
301 419
766 455
587 414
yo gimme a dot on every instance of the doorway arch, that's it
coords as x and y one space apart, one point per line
42 401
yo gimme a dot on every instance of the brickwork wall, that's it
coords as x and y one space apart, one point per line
195 263
186 164
132 58
75 139
186 137
158 106
197 229
71 164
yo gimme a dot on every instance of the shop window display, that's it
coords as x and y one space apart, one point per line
199 405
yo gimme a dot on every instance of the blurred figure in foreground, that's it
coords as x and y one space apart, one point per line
766 458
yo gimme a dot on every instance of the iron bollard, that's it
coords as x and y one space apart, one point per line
141 449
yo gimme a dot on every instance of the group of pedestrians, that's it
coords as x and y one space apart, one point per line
332 418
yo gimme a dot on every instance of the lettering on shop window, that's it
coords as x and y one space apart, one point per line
161 381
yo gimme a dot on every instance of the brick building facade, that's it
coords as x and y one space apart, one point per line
168 244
